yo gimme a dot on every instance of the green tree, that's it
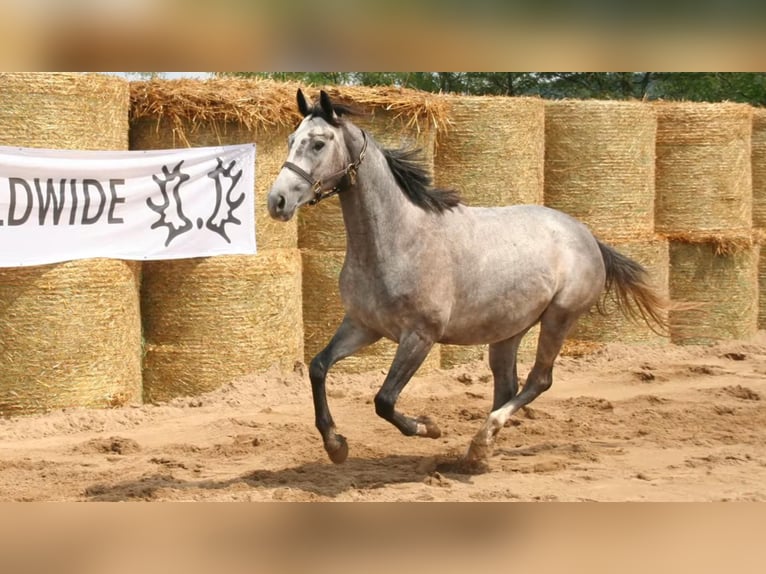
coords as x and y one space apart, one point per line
699 86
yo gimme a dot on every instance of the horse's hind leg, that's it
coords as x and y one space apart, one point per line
410 354
348 339
554 327
502 361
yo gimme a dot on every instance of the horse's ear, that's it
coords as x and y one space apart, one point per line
326 104
303 107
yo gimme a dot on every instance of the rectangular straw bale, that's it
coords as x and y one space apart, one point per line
703 172
599 165
323 312
723 282
209 321
492 152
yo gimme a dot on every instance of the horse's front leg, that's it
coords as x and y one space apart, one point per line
348 339
410 354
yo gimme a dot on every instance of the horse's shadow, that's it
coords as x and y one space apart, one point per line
319 478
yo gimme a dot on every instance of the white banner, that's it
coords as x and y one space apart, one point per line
58 205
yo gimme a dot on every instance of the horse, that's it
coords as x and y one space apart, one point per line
421 268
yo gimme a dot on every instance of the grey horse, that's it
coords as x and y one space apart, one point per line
423 268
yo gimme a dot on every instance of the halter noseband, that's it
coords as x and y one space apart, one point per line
317 186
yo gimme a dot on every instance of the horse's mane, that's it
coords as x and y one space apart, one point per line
339 109
407 167
412 176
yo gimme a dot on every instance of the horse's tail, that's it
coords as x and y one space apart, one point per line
628 282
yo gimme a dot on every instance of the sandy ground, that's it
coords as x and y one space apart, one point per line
626 424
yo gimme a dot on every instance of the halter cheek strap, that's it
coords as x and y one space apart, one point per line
347 174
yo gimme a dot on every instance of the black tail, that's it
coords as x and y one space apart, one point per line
628 281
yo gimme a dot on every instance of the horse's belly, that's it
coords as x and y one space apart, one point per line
481 331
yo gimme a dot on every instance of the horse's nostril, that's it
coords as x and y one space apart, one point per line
281 202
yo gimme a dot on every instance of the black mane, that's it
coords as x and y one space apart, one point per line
340 110
412 176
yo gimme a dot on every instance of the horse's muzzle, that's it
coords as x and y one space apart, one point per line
277 205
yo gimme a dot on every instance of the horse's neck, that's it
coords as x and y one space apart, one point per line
377 215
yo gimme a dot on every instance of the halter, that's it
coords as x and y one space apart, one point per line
317 186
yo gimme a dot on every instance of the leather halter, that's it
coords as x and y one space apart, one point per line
347 175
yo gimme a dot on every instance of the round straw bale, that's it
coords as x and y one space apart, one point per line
208 321
492 153
456 355
725 285
599 165
758 159
71 332
605 322
64 111
70 335
270 151
323 312
703 168
321 226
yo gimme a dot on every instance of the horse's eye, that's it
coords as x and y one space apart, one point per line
318 145
290 140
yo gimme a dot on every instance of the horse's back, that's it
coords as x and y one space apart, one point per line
511 263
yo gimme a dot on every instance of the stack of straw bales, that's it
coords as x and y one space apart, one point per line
493 154
759 203
210 321
600 168
704 206
395 118
70 333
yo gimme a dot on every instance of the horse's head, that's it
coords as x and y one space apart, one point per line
317 161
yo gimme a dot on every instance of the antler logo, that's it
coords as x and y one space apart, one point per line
222 216
170 207
174 219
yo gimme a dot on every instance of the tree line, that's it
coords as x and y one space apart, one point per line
747 87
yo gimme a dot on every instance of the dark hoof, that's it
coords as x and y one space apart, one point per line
428 428
462 466
470 466
337 449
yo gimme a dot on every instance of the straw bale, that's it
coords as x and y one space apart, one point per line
759 167
599 165
703 168
70 335
605 322
724 284
457 355
64 111
493 151
208 321
266 105
270 148
323 312
321 226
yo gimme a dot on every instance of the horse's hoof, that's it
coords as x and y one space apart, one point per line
473 466
337 449
428 428
476 460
